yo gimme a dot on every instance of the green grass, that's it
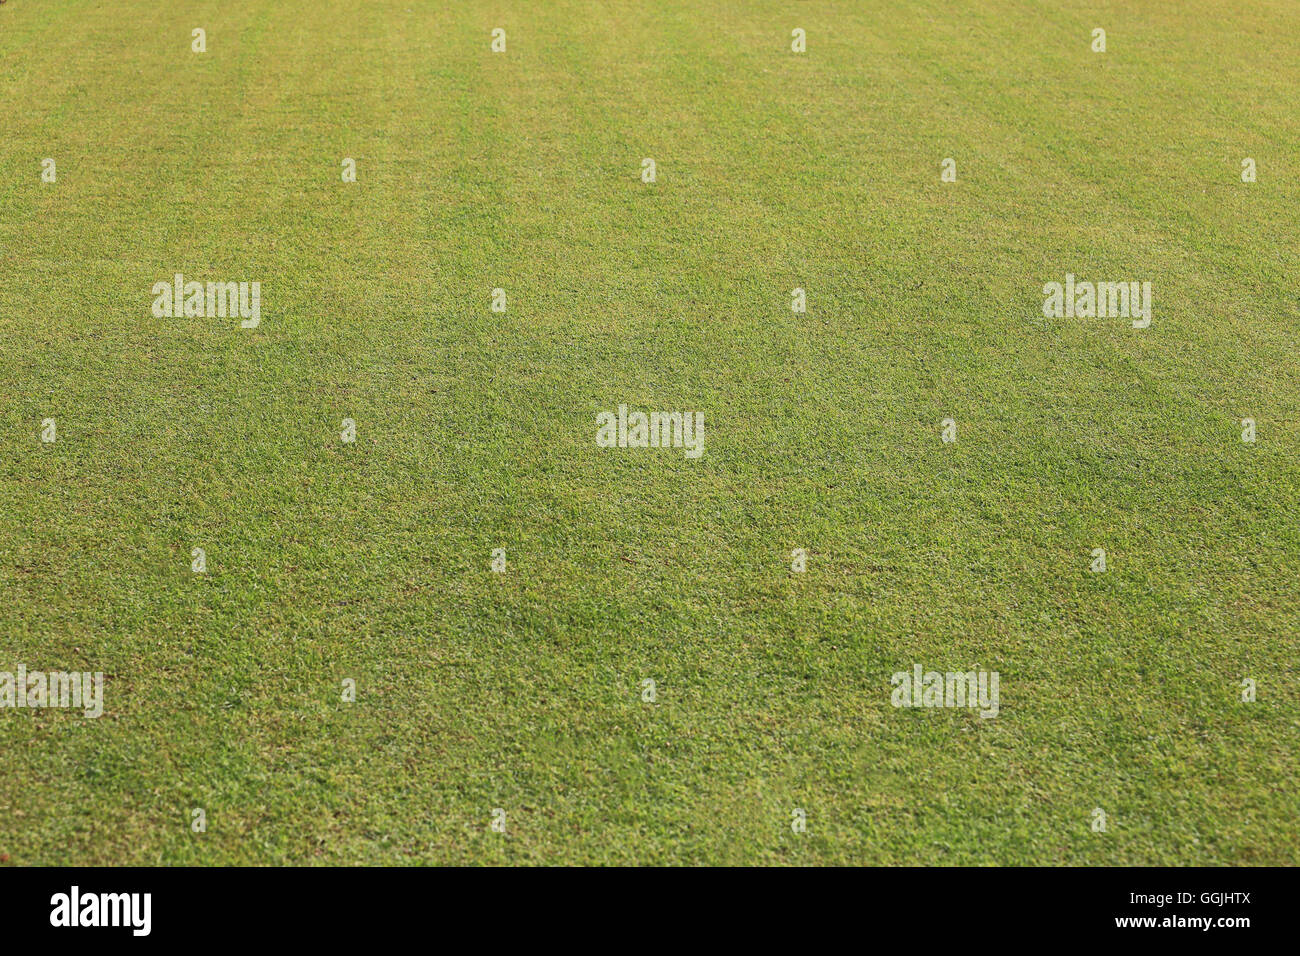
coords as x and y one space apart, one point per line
476 431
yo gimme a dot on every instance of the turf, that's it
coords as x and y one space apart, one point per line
522 690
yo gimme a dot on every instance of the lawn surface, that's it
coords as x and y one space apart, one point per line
521 170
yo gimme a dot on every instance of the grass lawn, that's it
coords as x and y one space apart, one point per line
371 560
